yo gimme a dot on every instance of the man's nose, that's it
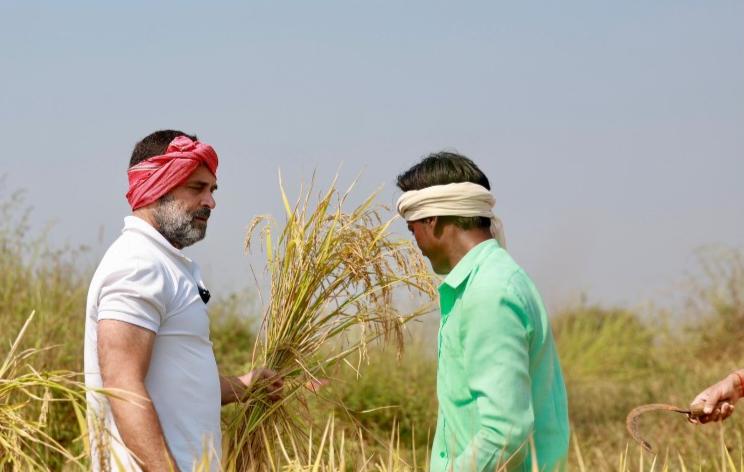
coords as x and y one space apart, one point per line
209 201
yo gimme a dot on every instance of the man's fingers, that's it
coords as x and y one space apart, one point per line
277 388
700 398
714 416
700 403
711 400
266 373
727 409
263 381
697 407
274 378
270 376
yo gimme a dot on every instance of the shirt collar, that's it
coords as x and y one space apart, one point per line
465 266
137 224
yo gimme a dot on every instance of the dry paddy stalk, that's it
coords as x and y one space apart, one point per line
25 398
332 277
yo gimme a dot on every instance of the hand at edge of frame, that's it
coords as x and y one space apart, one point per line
716 403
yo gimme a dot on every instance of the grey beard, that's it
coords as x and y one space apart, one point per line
177 225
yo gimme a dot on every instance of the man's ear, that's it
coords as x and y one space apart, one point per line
437 225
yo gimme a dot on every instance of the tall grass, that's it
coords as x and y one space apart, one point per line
26 398
382 409
37 389
613 361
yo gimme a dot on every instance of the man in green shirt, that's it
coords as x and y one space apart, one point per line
502 400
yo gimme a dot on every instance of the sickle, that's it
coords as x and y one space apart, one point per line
631 422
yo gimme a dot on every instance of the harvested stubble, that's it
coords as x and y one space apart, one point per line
332 278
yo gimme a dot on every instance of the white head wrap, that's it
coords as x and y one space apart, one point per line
459 199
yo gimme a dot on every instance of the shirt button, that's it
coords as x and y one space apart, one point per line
442 454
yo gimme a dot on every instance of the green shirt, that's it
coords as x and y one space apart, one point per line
499 382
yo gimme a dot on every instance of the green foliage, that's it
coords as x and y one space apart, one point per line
716 305
51 283
591 337
603 354
390 391
232 332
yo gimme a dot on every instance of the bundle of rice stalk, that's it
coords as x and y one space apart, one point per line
332 275
25 400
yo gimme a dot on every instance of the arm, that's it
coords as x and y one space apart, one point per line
234 389
124 352
496 361
717 401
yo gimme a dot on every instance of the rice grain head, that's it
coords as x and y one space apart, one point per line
333 275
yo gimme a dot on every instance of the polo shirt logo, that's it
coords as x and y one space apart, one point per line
204 294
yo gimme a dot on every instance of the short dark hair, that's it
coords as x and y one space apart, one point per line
442 168
155 144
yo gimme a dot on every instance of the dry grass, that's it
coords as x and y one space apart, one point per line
333 273
26 396
613 359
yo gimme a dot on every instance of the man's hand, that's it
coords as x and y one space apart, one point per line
255 382
717 401
264 378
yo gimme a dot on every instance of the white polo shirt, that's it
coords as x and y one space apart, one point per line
144 280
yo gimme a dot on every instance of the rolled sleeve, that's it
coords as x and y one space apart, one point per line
495 338
135 293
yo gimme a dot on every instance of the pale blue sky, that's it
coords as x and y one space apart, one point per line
612 132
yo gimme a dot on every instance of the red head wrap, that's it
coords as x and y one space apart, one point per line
158 175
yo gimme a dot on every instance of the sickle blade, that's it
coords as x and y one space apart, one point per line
632 421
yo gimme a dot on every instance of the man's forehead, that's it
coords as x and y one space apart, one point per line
202 175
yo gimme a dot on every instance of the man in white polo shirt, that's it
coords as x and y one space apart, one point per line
146 328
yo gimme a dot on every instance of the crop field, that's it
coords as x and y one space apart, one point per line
376 409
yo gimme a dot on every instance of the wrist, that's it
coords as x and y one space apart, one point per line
737 377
